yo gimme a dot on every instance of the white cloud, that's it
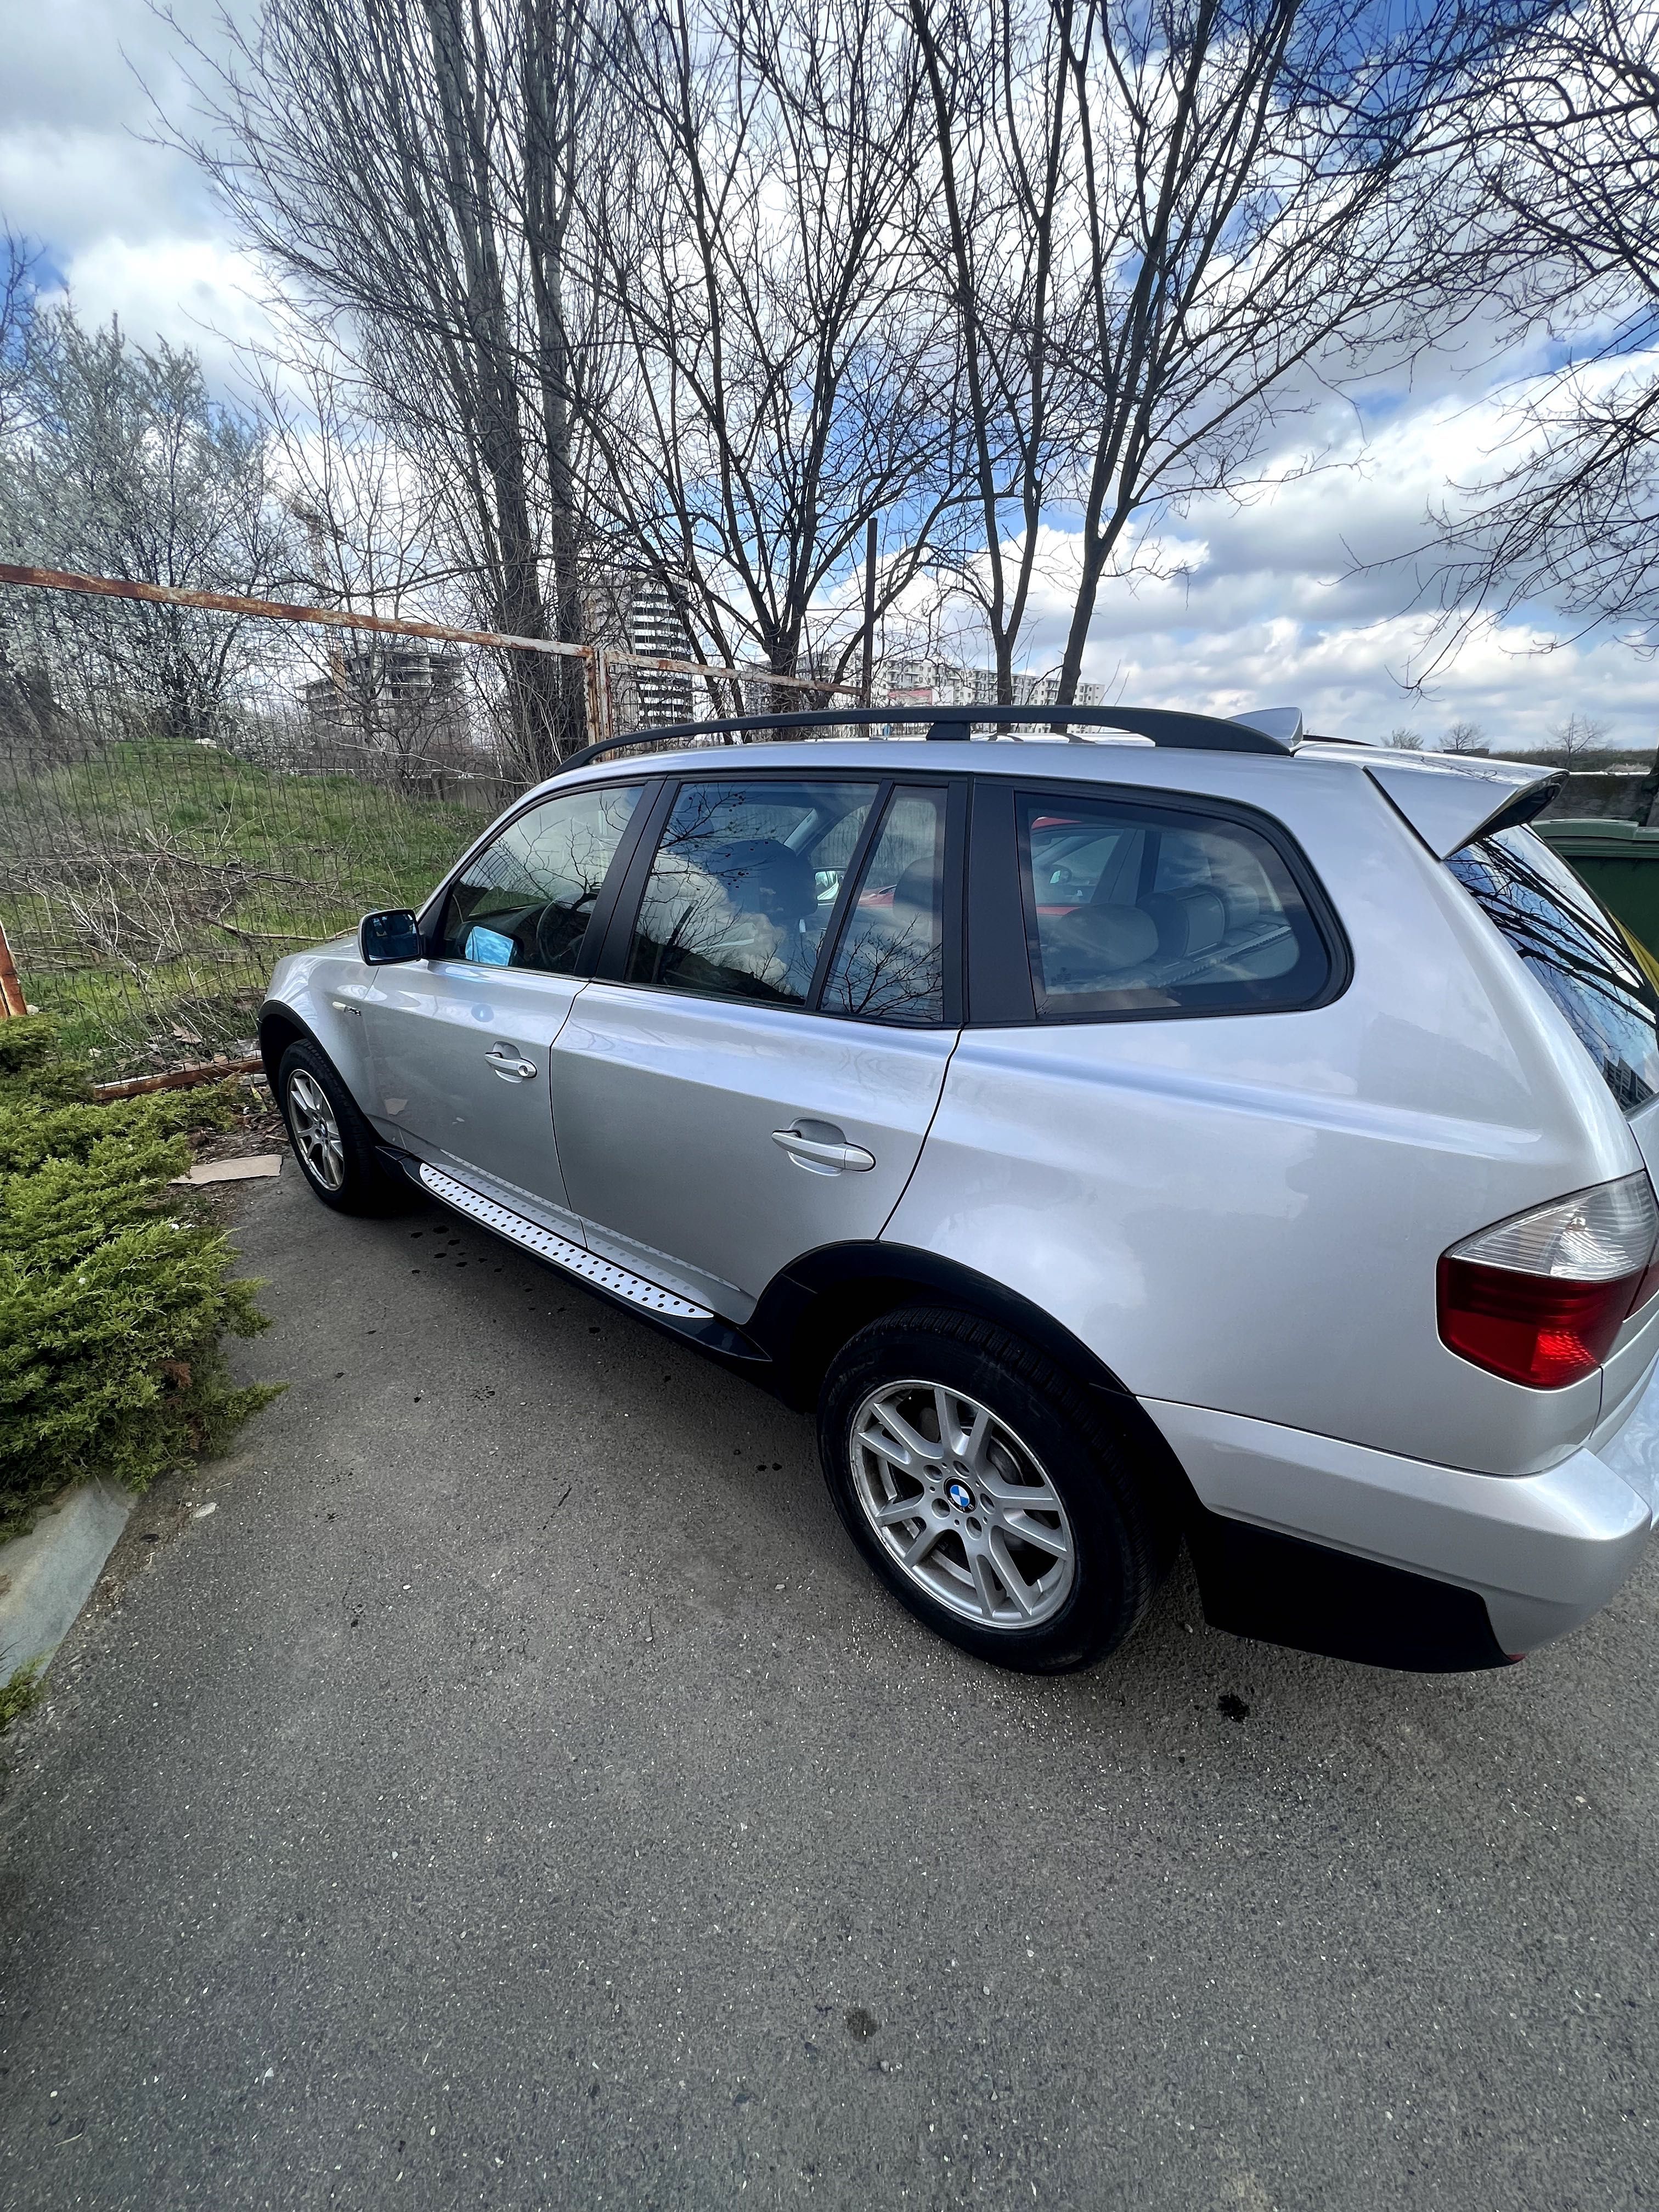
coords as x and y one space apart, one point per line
125 224
1306 595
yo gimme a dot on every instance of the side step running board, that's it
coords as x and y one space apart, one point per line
558 1250
682 1316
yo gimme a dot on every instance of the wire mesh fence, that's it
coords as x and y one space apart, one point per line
188 793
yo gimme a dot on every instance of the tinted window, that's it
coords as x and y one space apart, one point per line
524 902
1575 950
743 886
890 963
1140 909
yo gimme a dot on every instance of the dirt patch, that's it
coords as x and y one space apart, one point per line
259 1128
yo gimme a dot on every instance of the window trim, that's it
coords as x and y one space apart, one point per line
429 914
611 962
1002 938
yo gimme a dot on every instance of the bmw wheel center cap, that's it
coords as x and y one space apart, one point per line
960 1496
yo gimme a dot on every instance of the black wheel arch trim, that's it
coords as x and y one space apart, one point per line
801 1315
277 1014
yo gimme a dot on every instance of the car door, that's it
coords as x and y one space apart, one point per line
752 1072
459 1040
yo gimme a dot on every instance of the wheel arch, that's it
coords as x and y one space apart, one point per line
279 1027
813 1307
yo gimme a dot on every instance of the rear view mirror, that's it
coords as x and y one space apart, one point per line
384 938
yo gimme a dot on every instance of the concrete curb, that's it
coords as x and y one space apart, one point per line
47 1576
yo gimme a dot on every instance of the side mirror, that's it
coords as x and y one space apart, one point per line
384 938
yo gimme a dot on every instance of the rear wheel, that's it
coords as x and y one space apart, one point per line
332 1142
989 1492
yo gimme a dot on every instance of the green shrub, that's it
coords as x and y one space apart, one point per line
115 1289
19 1692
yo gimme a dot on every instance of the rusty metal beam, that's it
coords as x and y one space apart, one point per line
230 602
12 1001
169 595
708 668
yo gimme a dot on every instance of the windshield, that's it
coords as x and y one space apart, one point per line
1577 951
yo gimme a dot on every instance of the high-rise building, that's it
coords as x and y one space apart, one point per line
921 683
406 700
626 608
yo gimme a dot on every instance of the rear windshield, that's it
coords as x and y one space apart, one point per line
1577 951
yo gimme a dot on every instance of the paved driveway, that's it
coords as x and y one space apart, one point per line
516 1792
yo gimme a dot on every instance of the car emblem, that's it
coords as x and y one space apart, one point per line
960 1496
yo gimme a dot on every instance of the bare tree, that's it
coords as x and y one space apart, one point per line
1464 737
408 167
1201 211
17 292
773 378
120 464
1562 176
1576 738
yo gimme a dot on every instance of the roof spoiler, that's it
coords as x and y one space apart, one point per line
1450 803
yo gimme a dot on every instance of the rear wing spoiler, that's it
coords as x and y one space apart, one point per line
1450 803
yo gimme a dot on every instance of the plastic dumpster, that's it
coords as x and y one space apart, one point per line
1620 864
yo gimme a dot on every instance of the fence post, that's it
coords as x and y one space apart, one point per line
602 685
11 991
590 692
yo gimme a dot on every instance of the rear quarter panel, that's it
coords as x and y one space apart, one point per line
1244 1212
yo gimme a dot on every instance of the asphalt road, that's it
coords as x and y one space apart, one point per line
515 1793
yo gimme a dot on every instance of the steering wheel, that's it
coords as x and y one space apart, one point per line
559 927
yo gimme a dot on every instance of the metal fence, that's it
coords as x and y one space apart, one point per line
189 789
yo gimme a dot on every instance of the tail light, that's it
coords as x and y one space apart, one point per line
1539 1298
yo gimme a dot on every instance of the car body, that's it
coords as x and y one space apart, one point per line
1208 1060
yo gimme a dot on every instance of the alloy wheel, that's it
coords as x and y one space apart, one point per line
315 1130
962 1506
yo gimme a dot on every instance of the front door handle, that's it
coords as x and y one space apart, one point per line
829 1153
508 1066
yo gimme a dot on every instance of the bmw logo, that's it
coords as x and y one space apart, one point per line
960 1496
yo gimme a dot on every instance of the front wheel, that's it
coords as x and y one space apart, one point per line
332 1142
990 1492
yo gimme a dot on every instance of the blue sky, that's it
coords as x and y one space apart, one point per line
1288 599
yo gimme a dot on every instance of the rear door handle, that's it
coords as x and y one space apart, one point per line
824 1155
507 1064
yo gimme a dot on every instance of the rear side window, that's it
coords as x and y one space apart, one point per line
1134 909
1575 949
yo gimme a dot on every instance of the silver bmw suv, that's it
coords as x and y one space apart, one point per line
1145 1126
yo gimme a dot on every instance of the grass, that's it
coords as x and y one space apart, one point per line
150 887
24 1689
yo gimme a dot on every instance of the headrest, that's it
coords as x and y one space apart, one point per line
761 875
915 888
1186 922
1104 940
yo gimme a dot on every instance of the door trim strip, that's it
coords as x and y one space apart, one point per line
558 1251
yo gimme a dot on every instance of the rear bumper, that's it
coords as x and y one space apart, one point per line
1541 1553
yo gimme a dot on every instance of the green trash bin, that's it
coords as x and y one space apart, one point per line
1620 864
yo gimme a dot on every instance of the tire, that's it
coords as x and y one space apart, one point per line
1087 1560
331 1140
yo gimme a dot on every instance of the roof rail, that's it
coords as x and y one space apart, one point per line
1164 725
